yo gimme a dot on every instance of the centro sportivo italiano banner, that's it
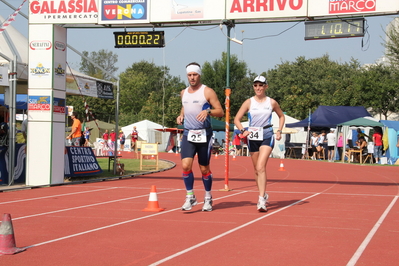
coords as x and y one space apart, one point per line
80 161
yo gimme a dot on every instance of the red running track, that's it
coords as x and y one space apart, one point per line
320 213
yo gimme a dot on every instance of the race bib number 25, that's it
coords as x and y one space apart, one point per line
197 135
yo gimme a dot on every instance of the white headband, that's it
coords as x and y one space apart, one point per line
193 68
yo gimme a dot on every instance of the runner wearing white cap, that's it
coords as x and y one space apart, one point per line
260 133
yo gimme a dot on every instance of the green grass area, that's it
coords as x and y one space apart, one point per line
131 166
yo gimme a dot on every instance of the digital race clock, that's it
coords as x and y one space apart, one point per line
327 29
139 39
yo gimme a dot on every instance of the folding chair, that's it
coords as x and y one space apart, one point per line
370 151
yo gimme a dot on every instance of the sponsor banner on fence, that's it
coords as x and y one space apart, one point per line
39 103
59 106
20 164
80 161
89 87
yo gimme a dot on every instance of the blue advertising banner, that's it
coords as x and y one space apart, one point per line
80 161
20 166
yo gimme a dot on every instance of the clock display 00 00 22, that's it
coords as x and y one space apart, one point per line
134 39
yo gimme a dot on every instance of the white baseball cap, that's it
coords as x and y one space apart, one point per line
261 79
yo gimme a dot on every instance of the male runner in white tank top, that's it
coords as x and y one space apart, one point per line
199 103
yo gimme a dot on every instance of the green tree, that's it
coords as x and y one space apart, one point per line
307 83
378 87
392 43
214 76
105 59
149 92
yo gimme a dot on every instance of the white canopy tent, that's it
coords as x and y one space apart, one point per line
147 131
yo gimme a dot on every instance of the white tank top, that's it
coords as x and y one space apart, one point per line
193 104
260 114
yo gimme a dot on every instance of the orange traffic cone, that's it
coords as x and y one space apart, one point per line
281 166
176 153
7 240
152 157
234 157
216 155
153 205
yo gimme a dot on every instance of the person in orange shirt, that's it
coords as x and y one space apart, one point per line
76 132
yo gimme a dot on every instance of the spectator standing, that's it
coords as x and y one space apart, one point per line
86 134
112 139
323 144
76 132
340 144
377 139
331 142
135 138
237 145
106 138
122 140
314 142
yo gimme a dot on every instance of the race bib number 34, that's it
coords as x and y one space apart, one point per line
197 135
255 133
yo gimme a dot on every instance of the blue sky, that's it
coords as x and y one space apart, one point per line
282 42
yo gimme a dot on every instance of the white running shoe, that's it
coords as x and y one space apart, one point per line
266 197
261 206
207 204
189 203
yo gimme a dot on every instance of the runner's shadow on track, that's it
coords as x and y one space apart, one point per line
284 203
270 206
232 204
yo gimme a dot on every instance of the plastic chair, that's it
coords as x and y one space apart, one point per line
370 151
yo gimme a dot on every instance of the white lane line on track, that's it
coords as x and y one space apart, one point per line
229 232
59 195
121 223
370 235
89 205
